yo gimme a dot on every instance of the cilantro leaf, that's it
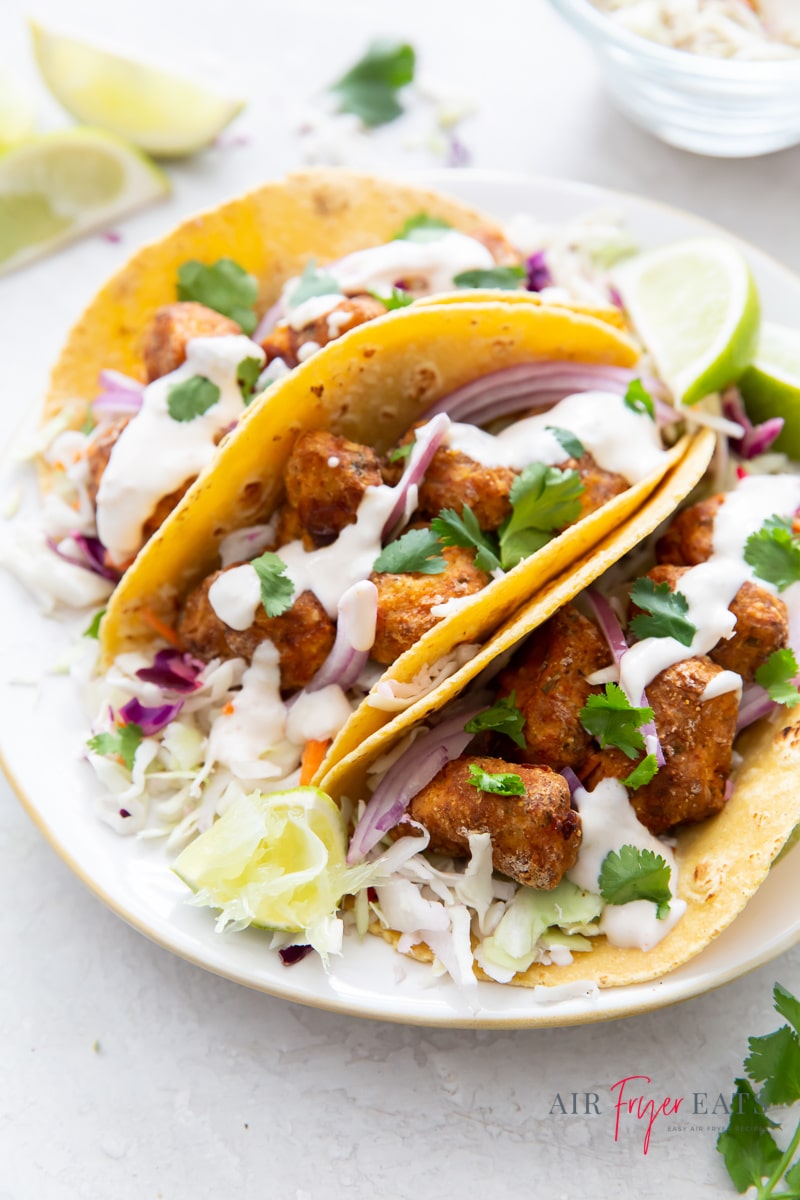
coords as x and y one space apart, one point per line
642 773
422 228
313 283
465 531
88 424
639 400
667 611
502 717
399 298
787 1005
92 630
543 500
402 452
224 286
634 874
191 398
776 675
774 1060
499 783
247 374
774 553
506 278
614 721
369 89
416 551
123 742
573 446
750 1151
276 590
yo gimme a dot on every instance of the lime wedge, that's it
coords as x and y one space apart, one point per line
771 386
695 307
55 187
17 110
276 860
158 111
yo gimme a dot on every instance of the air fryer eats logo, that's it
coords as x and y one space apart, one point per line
638 1107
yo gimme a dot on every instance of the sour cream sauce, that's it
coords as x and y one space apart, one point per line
711 586
254 730
155 454
617 438
609 822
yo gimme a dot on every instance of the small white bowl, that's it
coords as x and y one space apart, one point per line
730 108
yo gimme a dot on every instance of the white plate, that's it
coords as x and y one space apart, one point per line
43 731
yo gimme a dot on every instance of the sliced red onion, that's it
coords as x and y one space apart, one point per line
756 439
572 780
293 954
458 155
120 395
537 384
173 671
429 438
268 321
612 631
415 769
728 790
615 298
754 705
537 272
149 720
355 633
93 556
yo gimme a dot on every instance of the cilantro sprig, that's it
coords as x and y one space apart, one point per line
277 591
399 298
664 612
544 500
313 283
776 675
502 717
421 228
416 551
638 399
191 398
572 446
401 453
370 88
122 743
642 773
465 531
506 278
498 783
247 374
614 721
774 553
752 1156
634 874
224 286
92 630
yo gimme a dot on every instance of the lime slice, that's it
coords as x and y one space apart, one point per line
771 386
276 860
163 113
695 307
17 110
55 187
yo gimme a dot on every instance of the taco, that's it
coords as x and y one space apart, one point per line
295 554
599 792
271 278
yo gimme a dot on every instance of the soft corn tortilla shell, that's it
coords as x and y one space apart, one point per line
371 385
272 232
607 313
722 861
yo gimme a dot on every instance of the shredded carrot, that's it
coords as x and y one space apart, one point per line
228 709
313 755
166 631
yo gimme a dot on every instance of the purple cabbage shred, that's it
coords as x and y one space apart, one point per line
149 720
173 671
293 954
537 272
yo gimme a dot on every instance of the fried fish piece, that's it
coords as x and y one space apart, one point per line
689 539
599 485
326 477
696 736
286 343
454 479
175 325
548 676
535 837
762 624
303 635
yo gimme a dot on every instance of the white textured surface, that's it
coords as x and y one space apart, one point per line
129 1074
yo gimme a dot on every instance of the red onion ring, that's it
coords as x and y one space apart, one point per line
429 438
346 661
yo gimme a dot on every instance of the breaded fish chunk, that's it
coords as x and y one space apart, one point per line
175 325
696 736
535 837
454 479
326 478
689 540
285 343
303 635
548 676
